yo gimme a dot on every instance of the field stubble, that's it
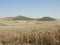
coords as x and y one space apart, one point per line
30 33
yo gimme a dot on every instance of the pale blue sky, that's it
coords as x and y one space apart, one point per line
30 8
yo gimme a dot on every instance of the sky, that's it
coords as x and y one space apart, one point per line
30 8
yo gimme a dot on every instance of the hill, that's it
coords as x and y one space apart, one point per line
27 18
19 18
46 19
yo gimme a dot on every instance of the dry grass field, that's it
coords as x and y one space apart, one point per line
29 32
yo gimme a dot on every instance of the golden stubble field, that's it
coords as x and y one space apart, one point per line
29 32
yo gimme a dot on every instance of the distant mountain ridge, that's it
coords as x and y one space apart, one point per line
46 19
22 18
27 18
19 18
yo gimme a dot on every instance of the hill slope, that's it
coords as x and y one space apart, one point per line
27 18
19 18
46 19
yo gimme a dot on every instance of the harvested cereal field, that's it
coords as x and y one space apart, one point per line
30 32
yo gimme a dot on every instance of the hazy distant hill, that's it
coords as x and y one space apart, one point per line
46 19
27 18
22 18
19 18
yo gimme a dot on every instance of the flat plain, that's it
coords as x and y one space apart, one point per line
32 32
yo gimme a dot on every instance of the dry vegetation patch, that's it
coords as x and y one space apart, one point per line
33 33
